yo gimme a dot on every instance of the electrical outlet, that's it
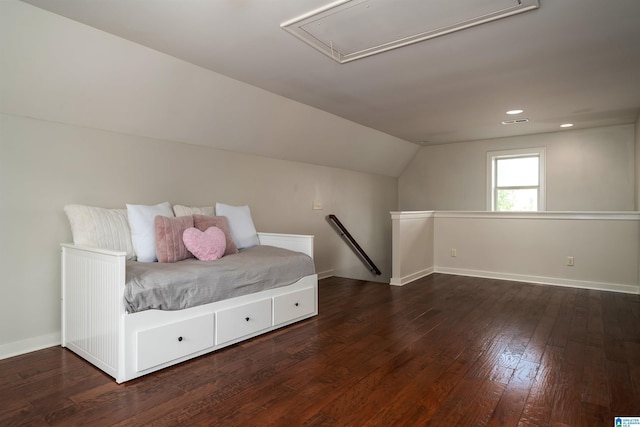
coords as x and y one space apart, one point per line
454 253
570 261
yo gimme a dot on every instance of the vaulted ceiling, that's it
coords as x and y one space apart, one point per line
569 61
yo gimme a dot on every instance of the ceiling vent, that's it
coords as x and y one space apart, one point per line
347 30
514 122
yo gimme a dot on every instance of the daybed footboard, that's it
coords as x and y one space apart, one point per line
125 346
92 309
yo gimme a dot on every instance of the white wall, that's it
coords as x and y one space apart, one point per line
528 247
412 246
586 170
534 247
637 165
88 118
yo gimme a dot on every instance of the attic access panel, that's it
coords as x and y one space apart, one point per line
347 30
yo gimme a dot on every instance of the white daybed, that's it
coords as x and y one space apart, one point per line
96 326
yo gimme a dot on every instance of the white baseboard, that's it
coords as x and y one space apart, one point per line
555 281
395 281
28 345
325 274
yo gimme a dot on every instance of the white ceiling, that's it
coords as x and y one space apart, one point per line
572 61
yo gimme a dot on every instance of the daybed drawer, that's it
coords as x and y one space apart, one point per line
293 305
169 342
243 320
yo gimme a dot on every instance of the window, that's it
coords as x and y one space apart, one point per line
515 180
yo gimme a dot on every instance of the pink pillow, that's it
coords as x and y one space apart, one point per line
205 245
169 244
203 222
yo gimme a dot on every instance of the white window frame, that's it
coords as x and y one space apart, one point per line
492 156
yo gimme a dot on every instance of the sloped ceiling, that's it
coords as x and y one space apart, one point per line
574 61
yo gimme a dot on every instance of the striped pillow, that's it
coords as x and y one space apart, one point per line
169 244
100 228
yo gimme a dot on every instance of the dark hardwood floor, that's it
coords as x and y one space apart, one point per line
442 351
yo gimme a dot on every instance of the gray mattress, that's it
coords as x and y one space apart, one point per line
189 283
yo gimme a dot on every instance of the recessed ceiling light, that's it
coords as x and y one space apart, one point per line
514 111
566 125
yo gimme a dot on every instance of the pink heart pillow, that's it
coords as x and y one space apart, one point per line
205 245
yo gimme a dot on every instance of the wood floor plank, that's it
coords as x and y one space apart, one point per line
543 393
595 390
443 350
624 401
579 320
509 409
561 328
568 387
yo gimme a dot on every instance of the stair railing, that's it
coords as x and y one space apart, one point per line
344 233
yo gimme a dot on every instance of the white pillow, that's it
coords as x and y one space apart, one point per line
100 228
180 210
143 233
243 232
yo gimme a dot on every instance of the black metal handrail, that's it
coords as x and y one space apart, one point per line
344 233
